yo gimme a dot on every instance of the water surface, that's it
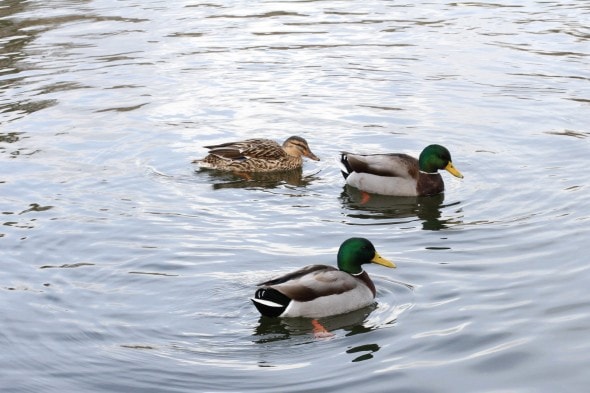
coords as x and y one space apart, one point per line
125 270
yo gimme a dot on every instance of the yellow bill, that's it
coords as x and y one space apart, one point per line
379 260
453 171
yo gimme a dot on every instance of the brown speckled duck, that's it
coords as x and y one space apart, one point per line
257 155
398 174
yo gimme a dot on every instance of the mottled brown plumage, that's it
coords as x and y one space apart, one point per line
257 155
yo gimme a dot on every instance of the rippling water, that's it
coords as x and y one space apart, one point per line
124 269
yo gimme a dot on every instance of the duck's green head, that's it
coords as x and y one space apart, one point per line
435 157
357 251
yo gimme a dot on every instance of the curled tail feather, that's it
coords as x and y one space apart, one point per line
345 167
270 302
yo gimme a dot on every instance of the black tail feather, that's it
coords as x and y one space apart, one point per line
272 302
345 168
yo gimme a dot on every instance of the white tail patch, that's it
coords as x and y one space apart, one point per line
267 303
343 167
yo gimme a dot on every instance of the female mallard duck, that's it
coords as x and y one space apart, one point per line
399 174
257 155
319 290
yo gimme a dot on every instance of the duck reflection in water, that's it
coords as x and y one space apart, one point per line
279 329
366 351
428 209
223 179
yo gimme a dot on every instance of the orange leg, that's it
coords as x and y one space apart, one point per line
365 196
319 331
243 175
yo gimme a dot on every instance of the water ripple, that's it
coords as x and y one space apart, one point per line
120 259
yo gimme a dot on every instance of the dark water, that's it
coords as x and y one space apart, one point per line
124 270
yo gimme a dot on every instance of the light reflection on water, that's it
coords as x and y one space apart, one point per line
120 259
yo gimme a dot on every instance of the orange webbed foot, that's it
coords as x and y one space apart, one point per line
365 197
244 175
319 331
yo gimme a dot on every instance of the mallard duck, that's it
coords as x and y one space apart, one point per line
317 291
257 155
398 174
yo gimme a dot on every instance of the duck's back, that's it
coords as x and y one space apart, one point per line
313 281
387 165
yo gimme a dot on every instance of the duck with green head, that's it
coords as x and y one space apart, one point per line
317 291
399 174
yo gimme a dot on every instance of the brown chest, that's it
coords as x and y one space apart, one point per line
429 184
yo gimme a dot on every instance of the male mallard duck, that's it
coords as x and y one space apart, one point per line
319 290
257 155
398 174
